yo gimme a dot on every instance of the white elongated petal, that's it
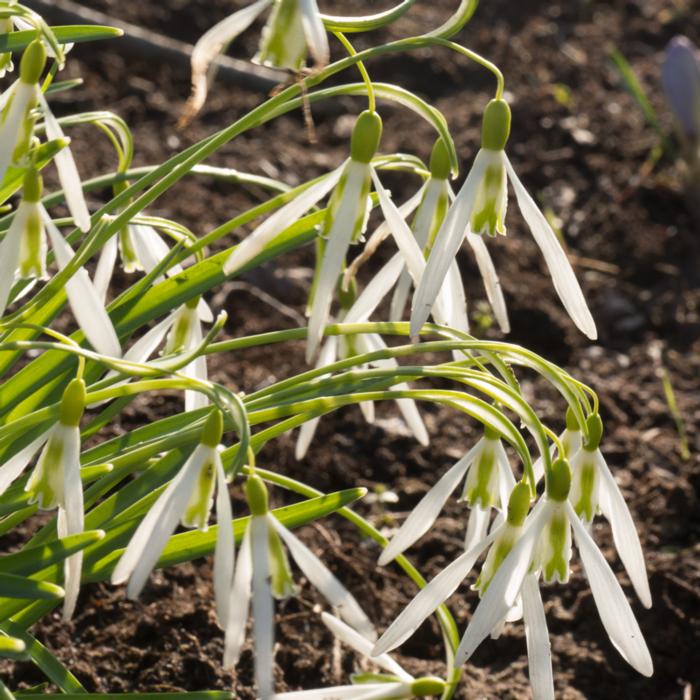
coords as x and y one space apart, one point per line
328 354
400 230
263 610
539 654
204 312
239 603
505 585
425 513
363 646
492 285
375 291
21 95
614 610
400 296
105 268
18 463
315 32
67 170
147 344
9 254
447 243
83 297
212 43
506 480
326 583
624 532
74 516
563 276
451 304
159 523
429 598
367 408
150 248
357 691
339 239
256 241
224 551
477 526
197 369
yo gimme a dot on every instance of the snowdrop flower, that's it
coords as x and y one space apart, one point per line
489 481
294 30
680 77
501 541
55 481
187 500
6 65
593 488
262 572
480 207
344 224
395 683
23 253
544 546
17 127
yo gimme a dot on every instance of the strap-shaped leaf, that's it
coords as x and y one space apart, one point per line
12 586
67 34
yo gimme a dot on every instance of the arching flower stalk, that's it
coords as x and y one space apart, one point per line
188 500
262 573
55 480
488 483
480 207
394 683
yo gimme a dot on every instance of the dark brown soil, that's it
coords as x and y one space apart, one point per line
582 146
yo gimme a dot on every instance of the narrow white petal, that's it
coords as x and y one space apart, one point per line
400 296
447 243
255 242
225 550
326 583
624 532
451 304
9 254
492 285
150 248
74 516
105 268
375 291
363 646
147 344
22 94
539 654
239 603
18 463
197 369
425 513
67 170
337 692
204 312
614 610
429 598
505 585
156 527
315 32
506 480
477 527
84 299
212 43
339 239
263 608
563 276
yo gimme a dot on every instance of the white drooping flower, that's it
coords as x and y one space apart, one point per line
489 482
346 218
544 546
593 489
394 683
188 500
17 128
262 572
23 255
480 208
293 31
55 481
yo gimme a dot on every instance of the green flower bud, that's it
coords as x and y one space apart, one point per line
365 137
347 297
518 504
559 482
495 127
33 188
213 429
491 434
72 403
428 685
440 161
32 64
594 426
256 495
571 420
193 303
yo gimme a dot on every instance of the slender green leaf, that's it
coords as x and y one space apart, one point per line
12 586
68 34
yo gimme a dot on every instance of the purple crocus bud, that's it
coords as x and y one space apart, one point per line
680 76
